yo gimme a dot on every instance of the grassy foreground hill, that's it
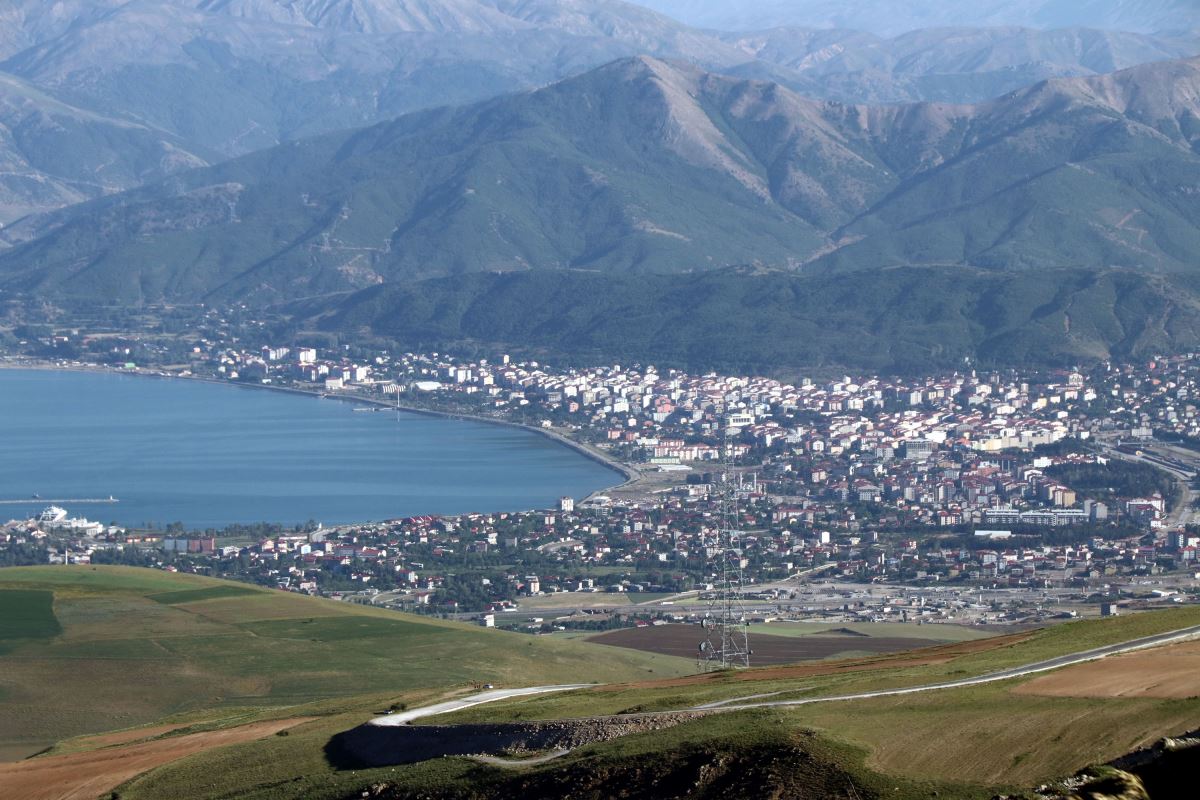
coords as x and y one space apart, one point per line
204 658
962 743
91 649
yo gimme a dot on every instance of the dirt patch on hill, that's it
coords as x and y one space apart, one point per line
386 745
1167 672
85 776
913 658
683 641
124 737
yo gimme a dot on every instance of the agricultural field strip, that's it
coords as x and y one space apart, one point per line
738 704
1003 675
405 717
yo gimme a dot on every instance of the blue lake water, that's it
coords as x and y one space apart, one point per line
209 455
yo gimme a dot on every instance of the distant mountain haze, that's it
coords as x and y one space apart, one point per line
237 75
891 17
644 166
218 78
53 154
954 65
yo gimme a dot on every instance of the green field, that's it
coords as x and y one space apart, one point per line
26 614
195 595
92 649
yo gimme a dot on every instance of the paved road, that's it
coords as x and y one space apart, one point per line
1003 675
741 703
405 717
1183 513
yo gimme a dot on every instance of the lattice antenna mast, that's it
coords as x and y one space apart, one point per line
726 642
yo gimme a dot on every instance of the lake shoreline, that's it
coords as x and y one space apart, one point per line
629 473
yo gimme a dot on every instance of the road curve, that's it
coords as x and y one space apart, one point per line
405 717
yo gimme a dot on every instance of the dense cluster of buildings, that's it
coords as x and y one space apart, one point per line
953 478
936 451
466 563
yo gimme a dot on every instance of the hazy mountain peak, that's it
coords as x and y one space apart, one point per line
1164 96
666 100
1153 91
587 17
370 16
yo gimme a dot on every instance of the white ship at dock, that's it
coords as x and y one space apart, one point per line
55 518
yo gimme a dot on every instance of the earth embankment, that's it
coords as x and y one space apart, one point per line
377 745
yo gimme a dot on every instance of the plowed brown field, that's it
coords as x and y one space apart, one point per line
912 658
683 641
85 776
1168 672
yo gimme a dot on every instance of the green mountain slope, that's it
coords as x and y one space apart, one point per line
648 167
1081 172
908 318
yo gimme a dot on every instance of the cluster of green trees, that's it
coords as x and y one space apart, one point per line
24 555
1117 479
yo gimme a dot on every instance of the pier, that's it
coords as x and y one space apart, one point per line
60 501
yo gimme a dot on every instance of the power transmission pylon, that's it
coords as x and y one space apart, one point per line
726 642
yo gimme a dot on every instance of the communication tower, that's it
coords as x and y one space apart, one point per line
726 642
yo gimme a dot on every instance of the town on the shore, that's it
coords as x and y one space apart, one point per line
968 496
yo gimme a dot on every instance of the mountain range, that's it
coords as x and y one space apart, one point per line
221 78
952 65
646 166
238 75
890 17
529 171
